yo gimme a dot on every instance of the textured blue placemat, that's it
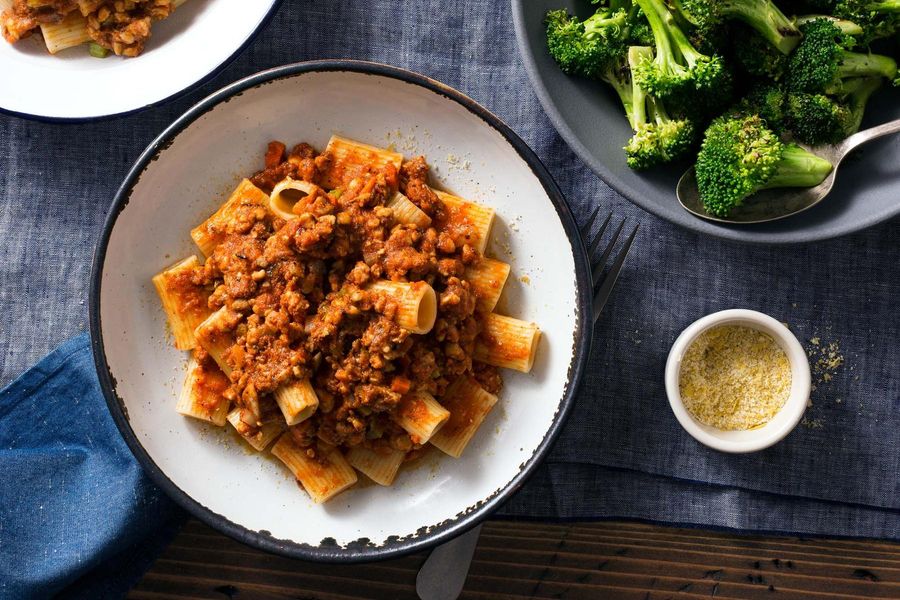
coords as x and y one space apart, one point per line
622 453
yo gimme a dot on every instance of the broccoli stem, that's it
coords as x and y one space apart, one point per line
661 23
637 54
684 46
856 64
657 111
768 20
623 87
858 100
798 168
846 27
885 6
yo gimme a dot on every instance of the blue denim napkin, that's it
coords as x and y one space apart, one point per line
77 514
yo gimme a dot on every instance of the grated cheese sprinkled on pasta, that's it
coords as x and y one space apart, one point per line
734 378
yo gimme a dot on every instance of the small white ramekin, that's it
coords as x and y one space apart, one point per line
781 424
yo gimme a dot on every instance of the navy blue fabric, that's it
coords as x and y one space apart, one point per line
76 510
622 454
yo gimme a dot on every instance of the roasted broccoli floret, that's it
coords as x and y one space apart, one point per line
658 138
586 48
757 56
678 69
822 63
761 15
820 119
741 156
879 18
768 101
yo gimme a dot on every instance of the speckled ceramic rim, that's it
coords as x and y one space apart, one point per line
209 76
393 547
793 408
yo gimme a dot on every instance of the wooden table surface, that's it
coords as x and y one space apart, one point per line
548 560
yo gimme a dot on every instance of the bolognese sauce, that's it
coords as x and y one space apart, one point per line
300 292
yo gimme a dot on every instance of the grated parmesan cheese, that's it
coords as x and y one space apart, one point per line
734 377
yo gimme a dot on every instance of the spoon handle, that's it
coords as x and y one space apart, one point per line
867 135
443 575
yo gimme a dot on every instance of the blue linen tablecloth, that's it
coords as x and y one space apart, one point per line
622 454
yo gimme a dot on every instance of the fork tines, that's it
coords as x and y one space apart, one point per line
603 283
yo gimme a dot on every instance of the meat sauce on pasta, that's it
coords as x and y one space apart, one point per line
344 298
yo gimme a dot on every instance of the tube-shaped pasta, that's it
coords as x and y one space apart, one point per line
380 468
417 302
323 475
202 393
468 404
420 415
507 342
287 194
70 31
258 436
183 302
297 401
480 217
350 159
407 212
487 276
212 231
215 335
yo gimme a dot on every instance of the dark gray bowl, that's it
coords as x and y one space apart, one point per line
591 119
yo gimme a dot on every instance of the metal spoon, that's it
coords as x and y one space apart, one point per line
444 573
774 204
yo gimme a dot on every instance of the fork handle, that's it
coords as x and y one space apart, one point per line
873 133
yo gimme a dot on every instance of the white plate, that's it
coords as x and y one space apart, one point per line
190 46
188 172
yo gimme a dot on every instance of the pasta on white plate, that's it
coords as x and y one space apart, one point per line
122 28
343 317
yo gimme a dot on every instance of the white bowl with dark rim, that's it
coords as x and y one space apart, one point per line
191 46
189 170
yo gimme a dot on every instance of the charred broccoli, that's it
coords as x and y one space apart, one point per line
822 62
741 156
678 69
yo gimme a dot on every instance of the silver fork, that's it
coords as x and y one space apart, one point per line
444 573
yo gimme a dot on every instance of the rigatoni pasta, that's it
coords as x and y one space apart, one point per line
183 301
297 401
480 218
469 404
69 32
508 342
488 276
344 314
350 159
245 202
215 336
380 467
259 434
420 415
407 212
416 303
203 393
119 27
322 470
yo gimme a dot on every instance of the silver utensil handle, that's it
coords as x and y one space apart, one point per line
444 572
867 135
